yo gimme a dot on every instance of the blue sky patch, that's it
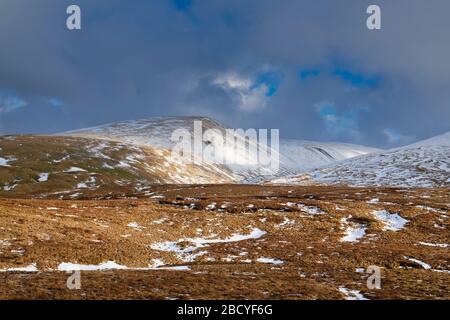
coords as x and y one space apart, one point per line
182 5
306 73
271 80
358 80
55 102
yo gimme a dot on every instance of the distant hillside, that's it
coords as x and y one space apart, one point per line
422 164
294 155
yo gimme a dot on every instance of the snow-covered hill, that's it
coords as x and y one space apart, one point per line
442 140
306 155
147 153
237 163
293 155
422 164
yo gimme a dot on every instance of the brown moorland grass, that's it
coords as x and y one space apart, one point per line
300 256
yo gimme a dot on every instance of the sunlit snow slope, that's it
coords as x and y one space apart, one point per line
308 154
422 164
293 155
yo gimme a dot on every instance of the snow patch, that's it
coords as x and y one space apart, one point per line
211 206
9 187
31 268
441 245
75 169
352 294
43 177
135 225
185 253
286 222
304 208
353 233
111 265
5 161
421 263
269 260
392 222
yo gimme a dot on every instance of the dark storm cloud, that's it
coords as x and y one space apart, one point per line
266 63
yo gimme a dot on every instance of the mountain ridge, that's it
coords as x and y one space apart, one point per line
421 164
294 155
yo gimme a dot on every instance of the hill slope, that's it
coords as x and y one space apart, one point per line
126 158
422 164
293 155
309 154
73 167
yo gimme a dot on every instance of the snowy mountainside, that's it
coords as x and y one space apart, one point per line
154 132
308 154
442 140
157 132
422 164
293 155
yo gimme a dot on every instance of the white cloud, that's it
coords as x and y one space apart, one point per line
243 91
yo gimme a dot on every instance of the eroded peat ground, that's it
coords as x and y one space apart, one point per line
230 242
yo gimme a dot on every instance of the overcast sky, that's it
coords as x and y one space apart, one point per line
310 68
